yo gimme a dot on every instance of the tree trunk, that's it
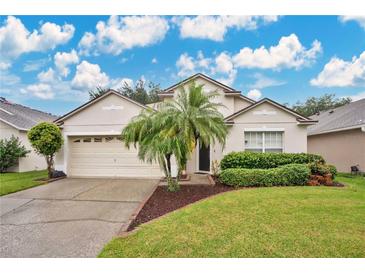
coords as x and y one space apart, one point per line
49 159
168 163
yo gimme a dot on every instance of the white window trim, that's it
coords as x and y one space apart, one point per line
250 129
263 130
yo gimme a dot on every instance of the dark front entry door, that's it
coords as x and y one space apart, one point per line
204 158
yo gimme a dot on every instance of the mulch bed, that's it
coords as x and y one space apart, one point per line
163 201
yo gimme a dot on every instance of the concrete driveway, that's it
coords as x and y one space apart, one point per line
69 217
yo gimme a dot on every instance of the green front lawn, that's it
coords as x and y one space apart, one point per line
12 182
261 222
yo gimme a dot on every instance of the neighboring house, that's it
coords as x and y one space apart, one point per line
339 136
16 120
93 148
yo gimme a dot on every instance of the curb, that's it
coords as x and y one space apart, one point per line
124 227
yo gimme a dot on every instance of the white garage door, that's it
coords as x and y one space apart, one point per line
106 156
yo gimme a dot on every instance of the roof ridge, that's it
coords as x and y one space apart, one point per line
36 110
32 109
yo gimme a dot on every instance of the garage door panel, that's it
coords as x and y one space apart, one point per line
99 148
107 157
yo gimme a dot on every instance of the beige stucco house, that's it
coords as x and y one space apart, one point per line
16 120
93 148
339 136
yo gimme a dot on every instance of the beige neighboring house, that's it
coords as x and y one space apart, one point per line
339 136
16 120
93 147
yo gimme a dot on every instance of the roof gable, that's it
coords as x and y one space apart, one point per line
227 90
95 100
298 116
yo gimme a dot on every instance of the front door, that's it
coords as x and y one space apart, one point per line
204 158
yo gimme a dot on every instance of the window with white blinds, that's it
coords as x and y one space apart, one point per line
264 141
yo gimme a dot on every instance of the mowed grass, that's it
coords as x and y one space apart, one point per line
262 222
12 182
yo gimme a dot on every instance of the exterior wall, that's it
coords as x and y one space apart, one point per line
342 149
264 117
294 136
240 103
32 161
105 117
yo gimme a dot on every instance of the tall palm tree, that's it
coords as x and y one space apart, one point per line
174 130
155 142
195 116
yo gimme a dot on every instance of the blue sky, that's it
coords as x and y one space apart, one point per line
51 62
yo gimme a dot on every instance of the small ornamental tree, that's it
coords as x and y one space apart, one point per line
46 139
10 151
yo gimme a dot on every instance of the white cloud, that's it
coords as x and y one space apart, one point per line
229 79
5 65
87 43
288 53
223 63
262 81
341 73
8 79
188 65
185 65
63 59
359 19
154 60
46 76
34 65
16 39
88 76
358 96
120 33
215 27
254 94
42 91
120 82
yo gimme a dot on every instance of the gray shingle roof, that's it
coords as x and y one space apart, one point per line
22 117
350 115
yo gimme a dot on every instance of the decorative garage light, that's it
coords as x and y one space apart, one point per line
112 107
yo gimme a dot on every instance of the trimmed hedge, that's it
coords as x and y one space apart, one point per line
322 169
287 175
267 160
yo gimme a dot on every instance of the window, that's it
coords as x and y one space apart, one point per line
77 141
86 140
264 141
108 139
98 140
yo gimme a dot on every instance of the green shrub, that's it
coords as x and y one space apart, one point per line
317 168
333 171
266 160
10 151
287 175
